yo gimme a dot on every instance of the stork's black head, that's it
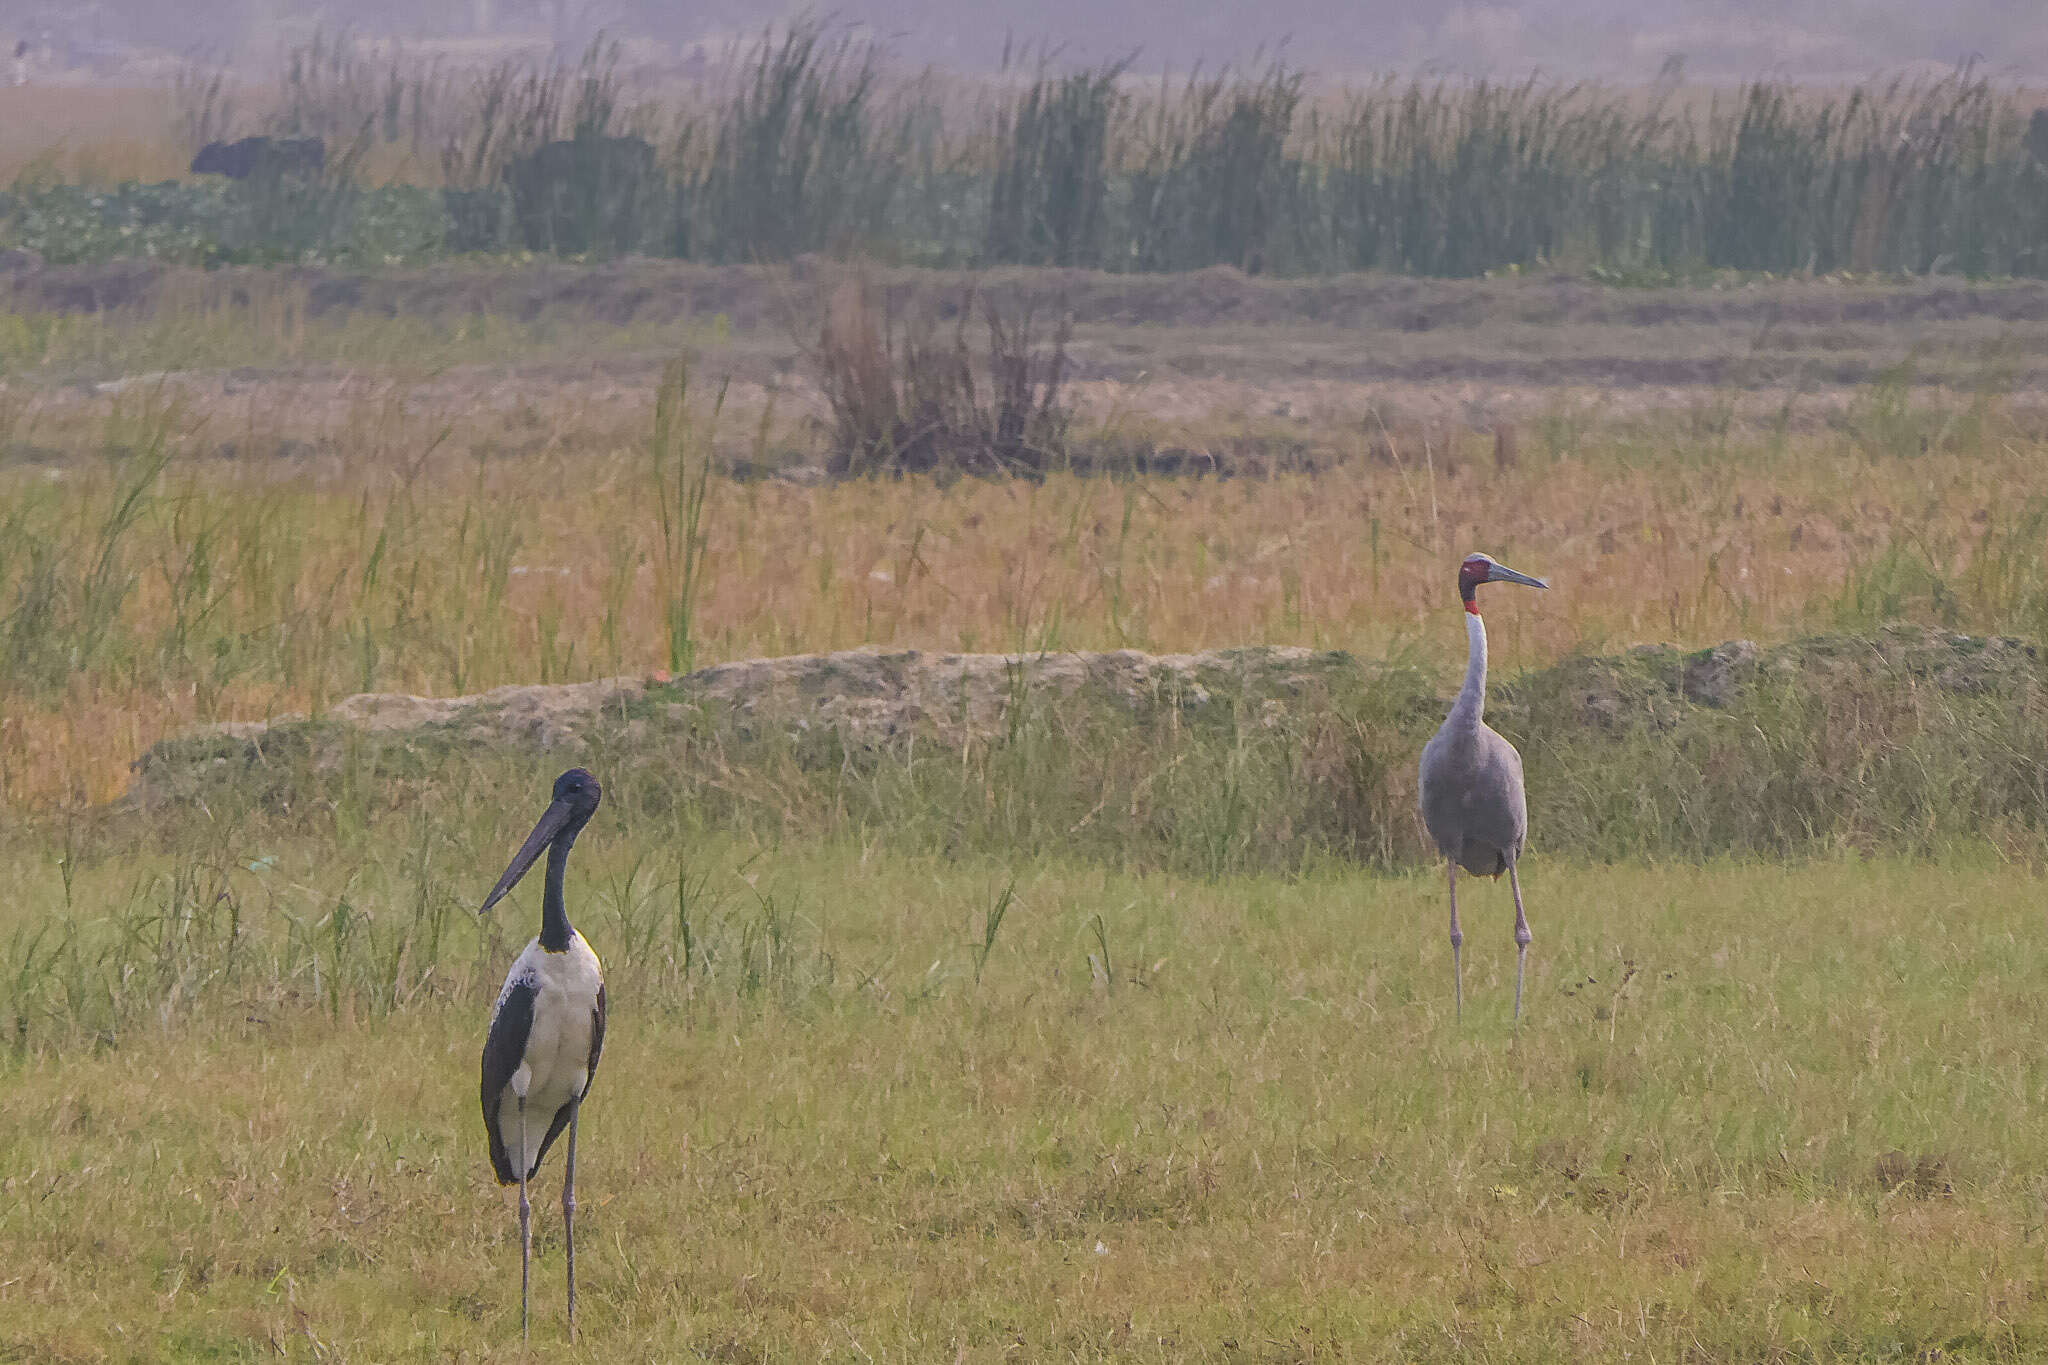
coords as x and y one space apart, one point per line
579 790
573 802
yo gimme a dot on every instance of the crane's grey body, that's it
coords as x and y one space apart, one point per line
1473 804
1471 793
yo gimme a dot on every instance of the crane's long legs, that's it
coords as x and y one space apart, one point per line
525 1223
1522 937
569 1212
1457 939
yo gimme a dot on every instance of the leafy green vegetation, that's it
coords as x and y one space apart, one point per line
233 224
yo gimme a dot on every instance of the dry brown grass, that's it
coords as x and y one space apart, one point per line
518 545
502 465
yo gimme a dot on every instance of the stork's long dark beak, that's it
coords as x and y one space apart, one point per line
551 823
1501 573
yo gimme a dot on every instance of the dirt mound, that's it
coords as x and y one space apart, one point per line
1661 687
866 700
1906 739
873 696
861 698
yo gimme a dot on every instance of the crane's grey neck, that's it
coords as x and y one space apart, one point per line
556 933
1470 707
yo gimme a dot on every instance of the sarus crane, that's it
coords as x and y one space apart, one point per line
547 1030
1471 796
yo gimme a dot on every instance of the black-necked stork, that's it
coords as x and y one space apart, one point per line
546 1029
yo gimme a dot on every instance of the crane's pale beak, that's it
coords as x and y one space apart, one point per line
1501 573
552 822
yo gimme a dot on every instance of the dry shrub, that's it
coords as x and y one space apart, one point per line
908 394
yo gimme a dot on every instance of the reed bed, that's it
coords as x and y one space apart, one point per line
810 142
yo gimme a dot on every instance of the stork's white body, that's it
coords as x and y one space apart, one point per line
547 1031
554 1069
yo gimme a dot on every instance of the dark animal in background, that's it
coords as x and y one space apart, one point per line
583 194
262 158
604 158
2037 136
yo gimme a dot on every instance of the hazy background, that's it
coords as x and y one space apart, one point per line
75 40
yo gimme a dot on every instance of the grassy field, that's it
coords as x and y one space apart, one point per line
880 1084
1752 1113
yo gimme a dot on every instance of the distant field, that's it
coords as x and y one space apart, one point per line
220 587
1548 330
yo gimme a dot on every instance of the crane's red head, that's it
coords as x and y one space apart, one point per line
1478 569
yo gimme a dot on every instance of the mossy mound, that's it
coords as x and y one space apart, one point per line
1908 738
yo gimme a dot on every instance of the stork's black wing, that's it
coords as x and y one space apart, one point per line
561 1118
504 1049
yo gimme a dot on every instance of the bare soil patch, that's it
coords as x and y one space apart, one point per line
1298 360
635 290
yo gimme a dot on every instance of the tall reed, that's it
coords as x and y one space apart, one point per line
1049 186
680 461
1213 177
800 155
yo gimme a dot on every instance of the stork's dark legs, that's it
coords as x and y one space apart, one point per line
569 1212
1457 939
525 1223
1522 937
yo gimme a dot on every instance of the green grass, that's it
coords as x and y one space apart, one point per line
1753 1113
